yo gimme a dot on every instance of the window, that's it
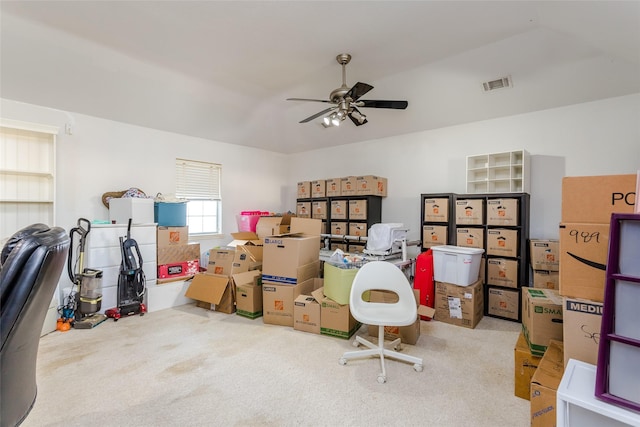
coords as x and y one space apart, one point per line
199 183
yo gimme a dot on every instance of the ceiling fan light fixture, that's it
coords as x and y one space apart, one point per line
359 117
335 120
327 121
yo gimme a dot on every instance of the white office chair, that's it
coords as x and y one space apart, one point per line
385 276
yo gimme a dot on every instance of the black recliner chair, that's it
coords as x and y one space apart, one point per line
31 263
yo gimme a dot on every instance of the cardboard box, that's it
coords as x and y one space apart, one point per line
459 305
178 253
358 209
319 209
306 311
502 211
178 270
545 254
339 209
339 228
541 318
249 242
544 386
503 302
318 188
248 293
139 210
543 279
470 212
592 199
221 261
213 290
581 324
303 209
502 242
408 334
348 186
358 229
273 226
436 210
284 255
170 236
371 185
502 272
583 260
433 235
304 190
336 319
277 300
333 187
525 365
470 237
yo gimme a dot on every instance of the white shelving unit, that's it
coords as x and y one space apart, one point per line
506 172
577 405
27 175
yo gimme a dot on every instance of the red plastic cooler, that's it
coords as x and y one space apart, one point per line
423 279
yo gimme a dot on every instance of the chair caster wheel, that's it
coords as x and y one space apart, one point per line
342 361
382 379
417 367
398 347
355 343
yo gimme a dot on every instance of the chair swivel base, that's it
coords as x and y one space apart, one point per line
381 352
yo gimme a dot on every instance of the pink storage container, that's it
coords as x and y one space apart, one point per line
247 220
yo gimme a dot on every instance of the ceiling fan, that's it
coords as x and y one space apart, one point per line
346 101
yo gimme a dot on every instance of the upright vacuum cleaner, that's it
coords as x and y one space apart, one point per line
85 299
131 280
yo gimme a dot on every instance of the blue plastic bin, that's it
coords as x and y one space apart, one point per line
170 214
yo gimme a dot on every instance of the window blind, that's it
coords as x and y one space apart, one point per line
197 180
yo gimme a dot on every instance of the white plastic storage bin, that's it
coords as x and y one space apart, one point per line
138 209
456 264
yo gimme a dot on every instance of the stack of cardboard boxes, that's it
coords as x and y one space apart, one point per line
565 324
177 259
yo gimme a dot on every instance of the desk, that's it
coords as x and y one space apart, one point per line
577 405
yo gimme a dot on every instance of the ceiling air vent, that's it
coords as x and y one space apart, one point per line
502 83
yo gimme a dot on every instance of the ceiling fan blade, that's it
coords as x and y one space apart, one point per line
358 90
321 113
307 99
358 119
396 105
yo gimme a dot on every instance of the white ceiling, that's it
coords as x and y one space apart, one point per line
222 70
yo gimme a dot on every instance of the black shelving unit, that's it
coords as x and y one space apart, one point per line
372 214
499 297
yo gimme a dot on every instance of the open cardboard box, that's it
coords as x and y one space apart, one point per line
214 290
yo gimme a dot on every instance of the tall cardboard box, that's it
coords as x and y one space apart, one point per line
248 293
336 319
583 260
581 324
459 305
592 199
284 255
541 318
525 365
544 386
306 310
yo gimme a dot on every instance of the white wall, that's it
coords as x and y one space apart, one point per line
596 138
102 156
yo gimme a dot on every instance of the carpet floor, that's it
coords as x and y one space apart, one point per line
188 366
